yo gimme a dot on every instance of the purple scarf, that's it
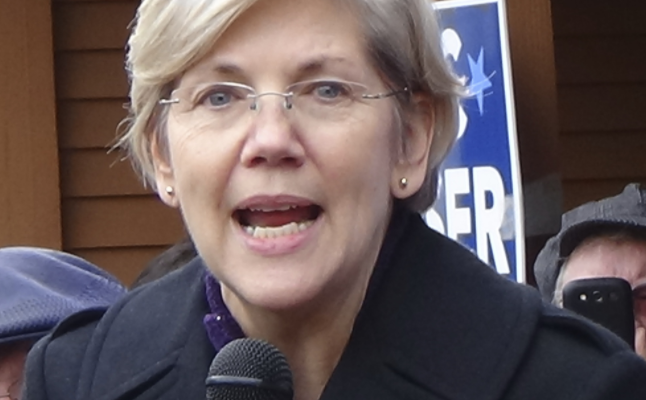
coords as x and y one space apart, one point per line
220 325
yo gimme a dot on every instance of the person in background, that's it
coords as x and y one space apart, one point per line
301 139
605 238
172 259
38 289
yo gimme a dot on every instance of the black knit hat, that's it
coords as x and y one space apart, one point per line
626 211
39 288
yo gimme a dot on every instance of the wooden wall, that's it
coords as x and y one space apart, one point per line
29 194
534 82
600 49
107 215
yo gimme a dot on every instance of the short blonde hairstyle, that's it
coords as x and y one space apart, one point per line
402 37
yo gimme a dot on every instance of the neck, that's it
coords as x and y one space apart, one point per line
312 337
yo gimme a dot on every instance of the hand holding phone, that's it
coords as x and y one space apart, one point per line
606 301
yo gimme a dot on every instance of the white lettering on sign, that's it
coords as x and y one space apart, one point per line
452 46
488 211
458 219
489 220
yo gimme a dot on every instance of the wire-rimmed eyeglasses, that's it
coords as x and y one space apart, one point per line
227 102
13 391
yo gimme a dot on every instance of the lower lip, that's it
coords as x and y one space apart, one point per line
279 245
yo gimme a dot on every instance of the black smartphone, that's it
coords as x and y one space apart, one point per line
606 301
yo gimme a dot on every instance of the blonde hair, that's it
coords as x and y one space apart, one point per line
403 43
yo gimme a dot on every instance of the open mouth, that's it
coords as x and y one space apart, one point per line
271 222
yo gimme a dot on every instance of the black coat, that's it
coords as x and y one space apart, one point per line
436 324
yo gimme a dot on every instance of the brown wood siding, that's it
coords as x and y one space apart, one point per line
600 50
29 195
107 215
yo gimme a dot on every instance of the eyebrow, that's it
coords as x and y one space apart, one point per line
307 67
225 68
318 63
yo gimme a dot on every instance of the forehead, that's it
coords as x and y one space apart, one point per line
288 36
604 257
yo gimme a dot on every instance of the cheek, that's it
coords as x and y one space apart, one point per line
201 162
183 138
369 161
378 136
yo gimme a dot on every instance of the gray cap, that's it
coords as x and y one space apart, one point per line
626 211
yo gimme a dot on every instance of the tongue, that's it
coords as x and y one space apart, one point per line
277 218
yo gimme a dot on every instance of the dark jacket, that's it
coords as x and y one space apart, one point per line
436 324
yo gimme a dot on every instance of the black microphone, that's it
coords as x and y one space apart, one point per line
249 369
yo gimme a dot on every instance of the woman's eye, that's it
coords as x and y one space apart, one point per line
331 90
219 96
218 99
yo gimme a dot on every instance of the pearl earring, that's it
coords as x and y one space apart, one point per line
403 183
170 191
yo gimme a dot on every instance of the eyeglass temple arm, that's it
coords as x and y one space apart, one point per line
384 95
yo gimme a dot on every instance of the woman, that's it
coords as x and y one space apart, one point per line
299 139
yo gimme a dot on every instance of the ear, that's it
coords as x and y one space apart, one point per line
164 176
415 147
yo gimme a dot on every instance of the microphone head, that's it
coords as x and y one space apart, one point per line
249 369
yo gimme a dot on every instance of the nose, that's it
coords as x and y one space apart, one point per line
272 139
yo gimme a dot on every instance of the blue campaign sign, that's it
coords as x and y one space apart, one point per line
480 198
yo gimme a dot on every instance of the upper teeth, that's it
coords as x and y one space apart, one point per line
272 232
278 208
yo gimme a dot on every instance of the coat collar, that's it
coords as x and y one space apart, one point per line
167 355
441 325
436 324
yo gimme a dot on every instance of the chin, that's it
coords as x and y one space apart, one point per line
281 294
